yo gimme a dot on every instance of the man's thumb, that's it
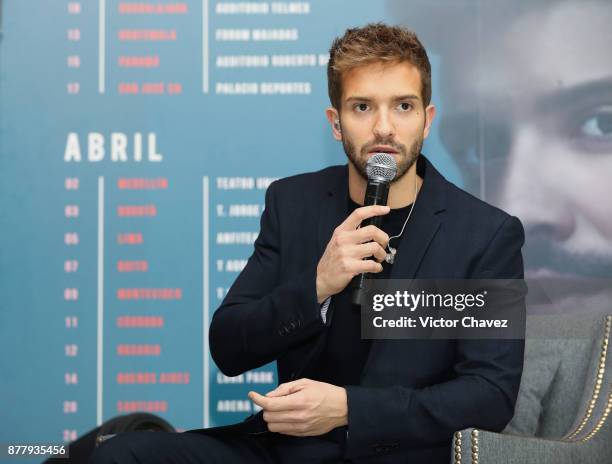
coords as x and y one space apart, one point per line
284 389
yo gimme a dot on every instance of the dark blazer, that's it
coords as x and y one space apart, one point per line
413 394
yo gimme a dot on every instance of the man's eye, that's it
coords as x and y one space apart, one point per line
361 107
404 106
599 125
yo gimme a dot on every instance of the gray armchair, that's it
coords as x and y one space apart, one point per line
564 403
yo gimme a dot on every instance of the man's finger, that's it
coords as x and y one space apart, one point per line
286 388
371 233
281 403
257 398
360 214
367 265
365 250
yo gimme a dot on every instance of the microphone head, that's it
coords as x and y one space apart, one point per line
381 167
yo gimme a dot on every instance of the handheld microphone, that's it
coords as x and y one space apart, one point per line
381 169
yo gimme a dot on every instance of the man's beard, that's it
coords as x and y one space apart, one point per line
543 253
407 157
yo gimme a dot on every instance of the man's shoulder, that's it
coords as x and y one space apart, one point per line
462 208
458 197
476 212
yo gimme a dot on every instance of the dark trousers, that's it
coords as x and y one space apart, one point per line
190 447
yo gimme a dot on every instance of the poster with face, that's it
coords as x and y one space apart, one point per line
527 117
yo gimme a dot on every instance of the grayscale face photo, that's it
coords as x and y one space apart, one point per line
526 92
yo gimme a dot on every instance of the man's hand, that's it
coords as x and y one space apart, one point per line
303 407
343 256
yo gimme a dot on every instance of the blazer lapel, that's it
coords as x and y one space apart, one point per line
423 224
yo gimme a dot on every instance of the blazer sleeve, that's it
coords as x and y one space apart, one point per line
482 393
264 315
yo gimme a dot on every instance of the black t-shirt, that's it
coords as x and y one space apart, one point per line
345 354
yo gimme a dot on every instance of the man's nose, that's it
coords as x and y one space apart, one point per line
533 187
383 126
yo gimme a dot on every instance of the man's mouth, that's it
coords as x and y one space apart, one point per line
547 273
382 149
553 292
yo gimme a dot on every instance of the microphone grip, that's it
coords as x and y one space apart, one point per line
376 194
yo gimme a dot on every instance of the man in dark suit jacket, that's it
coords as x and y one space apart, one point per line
340 397
412 394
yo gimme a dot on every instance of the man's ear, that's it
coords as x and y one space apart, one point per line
430 114
334 120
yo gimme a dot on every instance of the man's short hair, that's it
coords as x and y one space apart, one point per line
376 43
